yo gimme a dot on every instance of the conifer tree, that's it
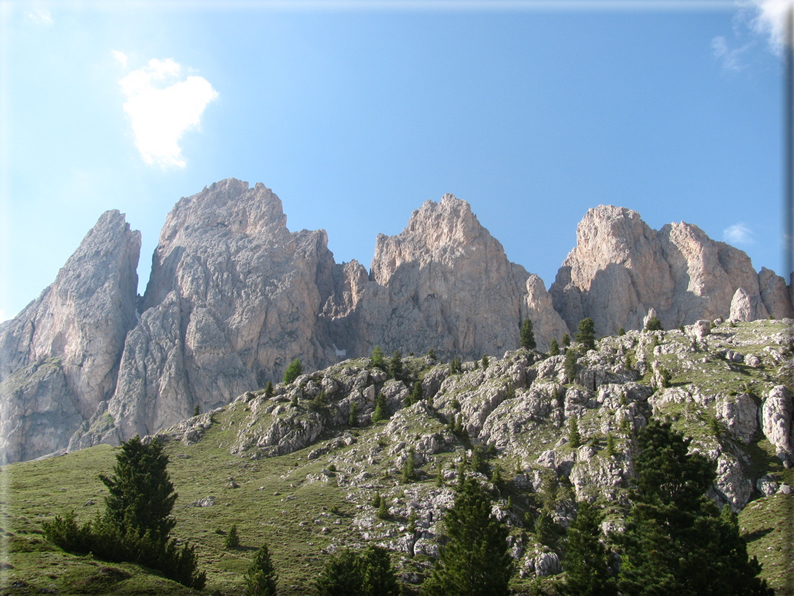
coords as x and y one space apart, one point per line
232 538
396 365
654 324
586 561
676 541
141 493
566 340
293 371
261 578
376 359
380 409
574 437
554 348
527 335
366 573
475 559
570 365
408 467
352 418
269 389
585 334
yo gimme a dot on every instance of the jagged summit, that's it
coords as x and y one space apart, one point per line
234 296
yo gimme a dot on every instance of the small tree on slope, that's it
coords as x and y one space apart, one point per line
475 560
676 541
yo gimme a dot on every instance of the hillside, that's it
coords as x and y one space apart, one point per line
290 471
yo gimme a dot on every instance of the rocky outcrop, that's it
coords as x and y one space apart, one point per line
621 268
443 283
59 357
233 297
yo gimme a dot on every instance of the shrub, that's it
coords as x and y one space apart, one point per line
293 371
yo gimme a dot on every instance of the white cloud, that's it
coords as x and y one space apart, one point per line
731 58
769 20
40 16
738 233
162 106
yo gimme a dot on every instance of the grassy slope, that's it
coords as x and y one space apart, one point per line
276 504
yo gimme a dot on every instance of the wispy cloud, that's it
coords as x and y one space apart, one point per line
39 16
162 106
731 58
738 233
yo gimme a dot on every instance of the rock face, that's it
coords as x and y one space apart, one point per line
621 268
59 357
443 283
233 297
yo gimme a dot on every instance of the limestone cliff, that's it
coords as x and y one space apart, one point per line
621 268
59 357
443 283
233 298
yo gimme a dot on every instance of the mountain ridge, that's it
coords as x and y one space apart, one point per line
234 296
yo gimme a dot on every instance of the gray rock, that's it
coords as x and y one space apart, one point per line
776 415
59 356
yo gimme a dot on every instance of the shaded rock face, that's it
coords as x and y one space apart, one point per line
59 357
233 297
621 268
443 283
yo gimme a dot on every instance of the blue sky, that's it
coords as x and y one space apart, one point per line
355 113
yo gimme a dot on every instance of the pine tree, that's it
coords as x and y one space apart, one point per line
232 539
566 340
261 578
293 371
455 366
141 493
395 365
366 573
380 412
570 365
676 541
416 395
610 449
269 390
585 334
485 361
408 472
586 561
554 348
574 437
196 410
376 359
352 418
475 560
527 335
654 324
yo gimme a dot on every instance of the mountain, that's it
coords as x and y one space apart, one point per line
234 296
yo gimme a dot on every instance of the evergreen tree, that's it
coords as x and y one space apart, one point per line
416 395
261 578
621 332
380 412
574 437
566 340
408 472
141 493
676 541
570 365
383 509
395 365
293 371
431 353
352 418
554 348
455 366
196 410
654 324
610 449
586 561
269 390
485 361
232 539
376 359
527 335
475 561
368 573
585 334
